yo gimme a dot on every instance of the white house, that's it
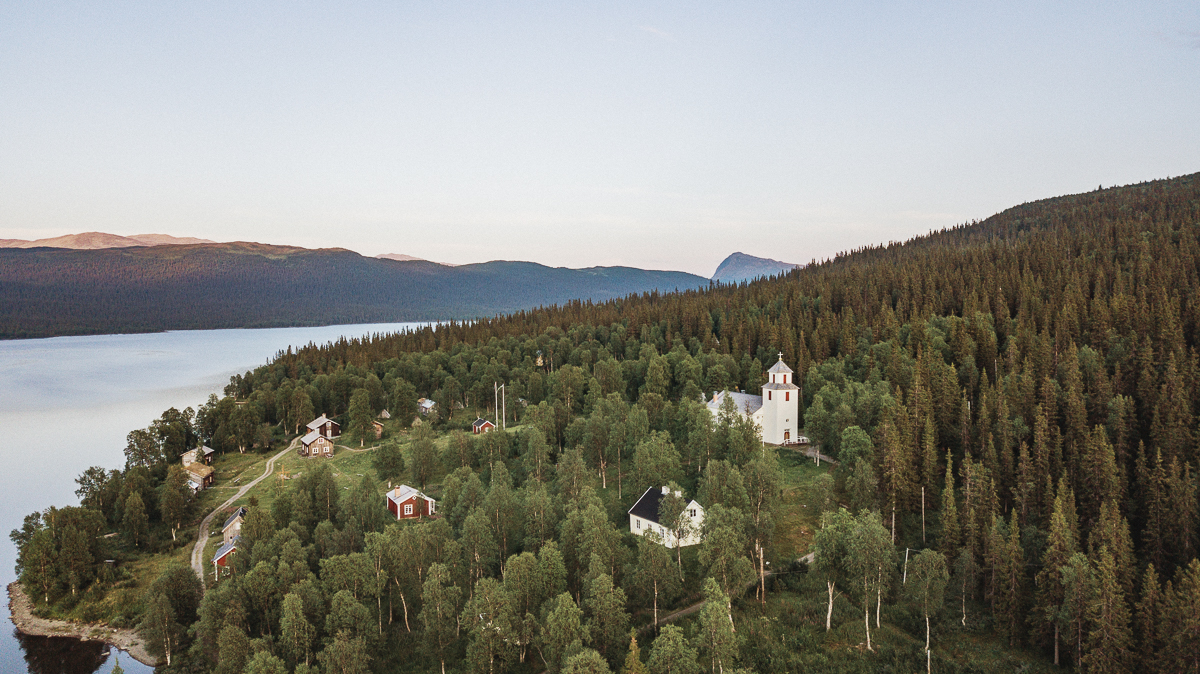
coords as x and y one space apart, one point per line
643 517
776 411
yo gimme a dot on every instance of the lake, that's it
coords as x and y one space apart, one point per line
69 402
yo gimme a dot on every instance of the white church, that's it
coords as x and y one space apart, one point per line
776 411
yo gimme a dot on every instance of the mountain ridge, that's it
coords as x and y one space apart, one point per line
740 267
57 291
102 240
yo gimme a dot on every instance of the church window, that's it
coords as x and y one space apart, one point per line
787 396
768 395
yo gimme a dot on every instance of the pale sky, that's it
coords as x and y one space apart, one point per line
655 135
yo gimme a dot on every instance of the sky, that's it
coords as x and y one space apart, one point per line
646 134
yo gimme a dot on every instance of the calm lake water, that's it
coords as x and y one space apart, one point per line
67 404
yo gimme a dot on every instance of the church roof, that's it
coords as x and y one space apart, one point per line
779 367
746 403
780 387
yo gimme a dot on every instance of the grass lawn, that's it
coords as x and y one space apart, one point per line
798 514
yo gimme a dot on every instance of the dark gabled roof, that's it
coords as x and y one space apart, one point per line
480 422
647 506
240 512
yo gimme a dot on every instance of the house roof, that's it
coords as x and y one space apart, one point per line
377 423
207 451
240 512
385 415
199 470
428 404
319 422
310 438
779 367
480 423
404 492
226 549
647 506
745 402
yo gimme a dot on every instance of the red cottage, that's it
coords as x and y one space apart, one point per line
406 503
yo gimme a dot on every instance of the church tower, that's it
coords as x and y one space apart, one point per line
780 405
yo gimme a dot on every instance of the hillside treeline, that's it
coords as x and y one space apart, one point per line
51 291
1015 398
1040 364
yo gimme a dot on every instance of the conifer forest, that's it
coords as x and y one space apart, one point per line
1011 405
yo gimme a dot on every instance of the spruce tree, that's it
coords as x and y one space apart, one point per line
949 542
1109 639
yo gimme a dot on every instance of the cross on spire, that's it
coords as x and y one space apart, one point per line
780 356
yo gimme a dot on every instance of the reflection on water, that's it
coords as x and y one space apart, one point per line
66 655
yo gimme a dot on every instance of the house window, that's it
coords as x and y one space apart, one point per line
639 523
407 508
692 512
431 506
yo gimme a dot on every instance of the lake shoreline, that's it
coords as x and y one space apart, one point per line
21 609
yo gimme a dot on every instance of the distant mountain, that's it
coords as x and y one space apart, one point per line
742 267
55 291
98 240
400 257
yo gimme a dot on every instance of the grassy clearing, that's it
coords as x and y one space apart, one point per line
799 515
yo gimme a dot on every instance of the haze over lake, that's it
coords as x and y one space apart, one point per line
72 400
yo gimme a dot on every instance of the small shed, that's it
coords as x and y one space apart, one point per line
378 426
385 415
425 406
405 503
482 426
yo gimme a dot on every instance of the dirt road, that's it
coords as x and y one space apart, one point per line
206 523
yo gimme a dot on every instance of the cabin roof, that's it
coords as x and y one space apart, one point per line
226 549
199 470
403 492
319 422
240 512
310 438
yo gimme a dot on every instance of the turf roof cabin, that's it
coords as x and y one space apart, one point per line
643 517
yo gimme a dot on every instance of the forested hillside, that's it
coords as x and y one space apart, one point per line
50 291
1013 404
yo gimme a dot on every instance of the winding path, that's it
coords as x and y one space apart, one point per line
202 536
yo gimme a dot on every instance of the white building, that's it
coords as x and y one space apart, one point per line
643 517
776 411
